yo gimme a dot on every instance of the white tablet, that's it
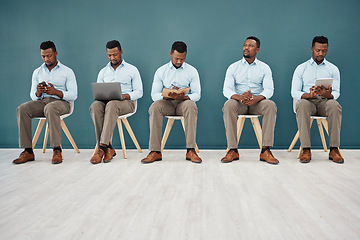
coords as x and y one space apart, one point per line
326 82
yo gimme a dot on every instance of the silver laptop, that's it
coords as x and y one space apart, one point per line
107 91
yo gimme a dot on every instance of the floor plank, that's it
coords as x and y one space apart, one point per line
176 199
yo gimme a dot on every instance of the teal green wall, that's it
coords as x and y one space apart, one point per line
214 32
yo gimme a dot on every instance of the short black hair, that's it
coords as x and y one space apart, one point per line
256 39
179 47
320 39
47 45
113 44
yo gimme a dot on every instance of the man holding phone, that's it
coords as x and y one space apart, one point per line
53 87
317 100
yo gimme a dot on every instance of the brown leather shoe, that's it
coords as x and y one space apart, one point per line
268 157
152 157
191 155
97 157
230 156
57 157
24 157
110 153
335 156
305 156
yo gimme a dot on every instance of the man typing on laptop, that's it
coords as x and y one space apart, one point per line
105 113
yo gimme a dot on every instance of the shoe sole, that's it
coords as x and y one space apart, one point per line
30 160
335 161
56 162
273 163
193 161
235 159
159 159
304 161
109 160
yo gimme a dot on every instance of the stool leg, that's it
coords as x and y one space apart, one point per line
257 129
297 135
168 127
122 140
68 135
46 137
321 131
131 133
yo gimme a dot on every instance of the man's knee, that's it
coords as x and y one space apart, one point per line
269 105
21 109
333 106
96 106
155 107
230 105
111 106
190 106
51 109
302 105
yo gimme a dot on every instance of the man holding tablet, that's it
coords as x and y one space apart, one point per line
316 99
105 113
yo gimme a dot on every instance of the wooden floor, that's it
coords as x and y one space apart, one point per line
176 199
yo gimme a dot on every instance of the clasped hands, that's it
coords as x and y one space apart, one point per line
247 98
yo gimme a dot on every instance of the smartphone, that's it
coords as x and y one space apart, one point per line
43 83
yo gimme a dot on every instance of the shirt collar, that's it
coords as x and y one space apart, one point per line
243 61
120 66
57 65
183 66
312 62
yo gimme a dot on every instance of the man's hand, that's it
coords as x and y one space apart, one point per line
311 94
322 91
253 100
126 96
52 91
178 96
40 89
245 96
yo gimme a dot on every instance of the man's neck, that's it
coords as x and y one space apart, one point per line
117 65
250 60
52 66
317 62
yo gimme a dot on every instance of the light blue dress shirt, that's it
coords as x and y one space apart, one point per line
306 74
128 76
167 76
61 76
242 76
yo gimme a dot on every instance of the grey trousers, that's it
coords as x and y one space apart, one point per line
161 108
105 115
51 109
266 108
323 107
